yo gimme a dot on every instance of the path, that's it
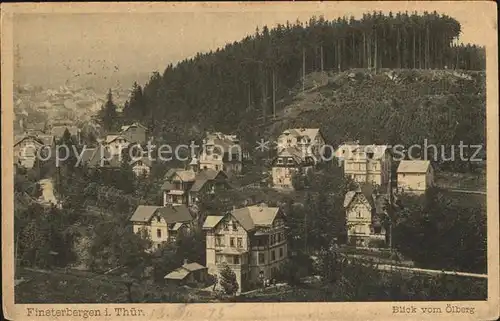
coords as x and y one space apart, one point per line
465 191
47 187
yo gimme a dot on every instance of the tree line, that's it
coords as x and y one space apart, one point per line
230 86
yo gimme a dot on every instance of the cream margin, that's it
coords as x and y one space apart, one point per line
485 310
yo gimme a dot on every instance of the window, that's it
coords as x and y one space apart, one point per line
359 214
280 161
218 259
231 241
226 226
216 167
281 252
158 233
158 219
273 256
377 229
271 242
262 258
235 226
240 242
158 246
279 237
236 259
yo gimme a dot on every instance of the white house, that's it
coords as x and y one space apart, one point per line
415 176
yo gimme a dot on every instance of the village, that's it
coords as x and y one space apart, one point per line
250 240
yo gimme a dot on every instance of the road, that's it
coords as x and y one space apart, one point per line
48 196
466 191
386 267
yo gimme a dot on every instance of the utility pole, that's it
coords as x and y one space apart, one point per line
322 61
274 94
305 232
303 69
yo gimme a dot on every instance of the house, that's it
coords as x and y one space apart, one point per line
415 176
134 133
308 140
161 223
26 149
188 273
365 210
368 164
345 149
58 133
289 162
99 157
116 144
184 186
141 166
221 152
250 240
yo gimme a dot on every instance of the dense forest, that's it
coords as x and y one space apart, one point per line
230 88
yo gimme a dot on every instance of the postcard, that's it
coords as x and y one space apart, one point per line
250 161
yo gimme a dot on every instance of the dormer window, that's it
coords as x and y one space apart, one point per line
158 219
235 226
280 161
369 155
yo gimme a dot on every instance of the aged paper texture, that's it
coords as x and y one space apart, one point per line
250 161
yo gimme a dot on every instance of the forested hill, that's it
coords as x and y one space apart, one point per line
229 89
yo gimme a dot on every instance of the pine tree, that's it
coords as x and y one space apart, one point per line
228 280
108 113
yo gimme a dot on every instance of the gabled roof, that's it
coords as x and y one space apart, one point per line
171 214
254 216
211 221
143 213
177 274
19 139
126 127
414 166
171 172
301 132
376 201
193 266
182 272
294 152
185 175
203 177
46 139
112 138
175 214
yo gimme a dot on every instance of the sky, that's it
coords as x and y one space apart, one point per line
59 47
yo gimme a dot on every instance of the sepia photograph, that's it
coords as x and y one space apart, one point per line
225 153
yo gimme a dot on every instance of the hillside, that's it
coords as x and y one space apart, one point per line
390 106
229 88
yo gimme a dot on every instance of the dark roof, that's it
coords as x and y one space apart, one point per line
93 156
171 173
175 213
170 213
203 177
